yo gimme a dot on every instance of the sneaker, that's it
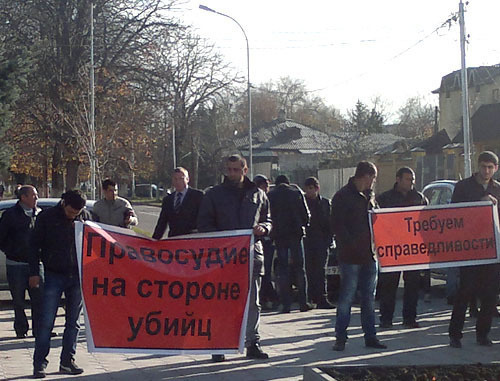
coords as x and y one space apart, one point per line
255 352
218 358
385 324
484 341
70 368
21 335
455 342
374 343
306 307
339 345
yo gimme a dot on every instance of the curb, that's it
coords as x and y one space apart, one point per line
316 374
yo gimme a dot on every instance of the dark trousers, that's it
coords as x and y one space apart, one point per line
18 279
388 287
316 255
291 261
267 291
481 281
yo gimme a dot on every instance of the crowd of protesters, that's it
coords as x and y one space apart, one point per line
295 233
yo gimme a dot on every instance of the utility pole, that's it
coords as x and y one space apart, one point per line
465 95
92 107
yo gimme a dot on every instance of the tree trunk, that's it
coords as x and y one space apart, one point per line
57 173
72 173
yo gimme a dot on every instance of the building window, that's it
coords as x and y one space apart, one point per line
496 95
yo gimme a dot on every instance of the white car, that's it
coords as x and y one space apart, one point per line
42 203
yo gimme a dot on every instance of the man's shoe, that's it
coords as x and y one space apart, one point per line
326 305
339 345
70 368
21 335
455 342
306 307
218 358
411 324
255 352
385 324
285 310
484 341
39 372
374 343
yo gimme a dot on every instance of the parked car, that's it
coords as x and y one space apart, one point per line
439 192
147 190
42 203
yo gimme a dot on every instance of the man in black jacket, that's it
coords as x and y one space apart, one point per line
479 280
53 242
16 227
317 242
402 194
179 210
238 203
290 218
358 268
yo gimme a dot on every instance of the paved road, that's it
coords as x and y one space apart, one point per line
148 216
293 341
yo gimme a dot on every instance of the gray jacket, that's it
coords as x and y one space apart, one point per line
114 212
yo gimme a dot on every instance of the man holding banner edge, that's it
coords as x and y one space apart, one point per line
403 194
481 280
238 203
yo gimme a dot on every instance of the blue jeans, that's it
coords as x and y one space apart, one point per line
291 261
352 278
18 278
55 285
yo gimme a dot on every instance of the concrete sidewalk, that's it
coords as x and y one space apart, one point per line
293 341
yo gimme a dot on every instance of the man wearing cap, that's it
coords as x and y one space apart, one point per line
290 217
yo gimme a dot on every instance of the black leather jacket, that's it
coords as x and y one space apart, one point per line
53 241
350 224
15 233
394 199
289 212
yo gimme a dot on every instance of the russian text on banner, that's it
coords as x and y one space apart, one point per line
423 237
186 294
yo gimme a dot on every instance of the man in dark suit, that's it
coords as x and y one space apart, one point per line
179 210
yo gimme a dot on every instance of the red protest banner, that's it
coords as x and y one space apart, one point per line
425 237
180 295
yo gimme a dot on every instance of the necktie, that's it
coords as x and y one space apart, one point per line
177 203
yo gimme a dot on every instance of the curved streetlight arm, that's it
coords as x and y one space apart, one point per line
205 8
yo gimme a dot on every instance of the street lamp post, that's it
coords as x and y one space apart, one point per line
205 8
